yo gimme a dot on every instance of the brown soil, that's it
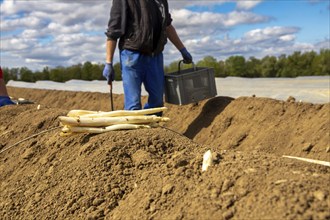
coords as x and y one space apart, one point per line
156 173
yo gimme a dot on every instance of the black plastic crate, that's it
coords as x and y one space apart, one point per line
190 85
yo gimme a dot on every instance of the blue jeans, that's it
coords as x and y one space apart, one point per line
138 69
5 100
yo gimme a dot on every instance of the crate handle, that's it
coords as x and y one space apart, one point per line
179 65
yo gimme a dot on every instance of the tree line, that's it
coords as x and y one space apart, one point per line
297 64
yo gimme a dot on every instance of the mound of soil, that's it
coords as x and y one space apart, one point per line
156 173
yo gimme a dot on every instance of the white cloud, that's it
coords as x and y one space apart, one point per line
323 44
36 33
288 37
14 24
258 43
240 4
239 17
54 34
27 60
191 24
30 34
184 17
270 35
14 45
175 4
247 5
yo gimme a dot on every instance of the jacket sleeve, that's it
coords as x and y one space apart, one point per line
117 21
168 15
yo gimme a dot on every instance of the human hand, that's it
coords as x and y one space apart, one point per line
109 72
187 58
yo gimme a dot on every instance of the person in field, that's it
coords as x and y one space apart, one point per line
4 98
142 28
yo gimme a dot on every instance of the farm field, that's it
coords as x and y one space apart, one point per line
156 173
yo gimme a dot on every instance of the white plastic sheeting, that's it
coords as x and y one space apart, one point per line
315 89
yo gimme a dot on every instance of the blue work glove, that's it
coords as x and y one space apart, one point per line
5 100
109 72
187 58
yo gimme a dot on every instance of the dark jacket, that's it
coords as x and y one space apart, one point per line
140 25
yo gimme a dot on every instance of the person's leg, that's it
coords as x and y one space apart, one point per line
3 89
154 81
132 78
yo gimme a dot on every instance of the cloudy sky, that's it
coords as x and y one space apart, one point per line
39 33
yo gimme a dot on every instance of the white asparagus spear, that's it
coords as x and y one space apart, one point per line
75 113
68 129
106 121
94 114
320 162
